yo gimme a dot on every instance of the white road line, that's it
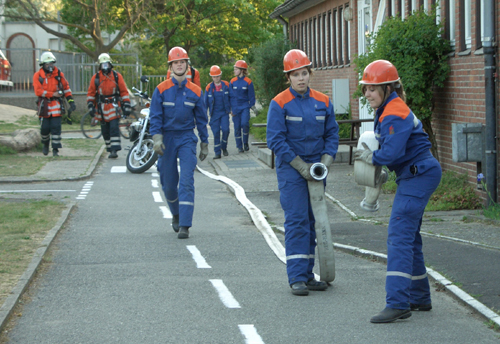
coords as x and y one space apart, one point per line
119 169
224 294
198 258
166 212
155 174
250 334
154 183
22 191
157 197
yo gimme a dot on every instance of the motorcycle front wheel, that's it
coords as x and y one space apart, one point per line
140 159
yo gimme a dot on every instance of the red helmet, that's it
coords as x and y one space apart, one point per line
295 59
177 53
215 71
379 72
241 64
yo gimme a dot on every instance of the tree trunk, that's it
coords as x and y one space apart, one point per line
426 123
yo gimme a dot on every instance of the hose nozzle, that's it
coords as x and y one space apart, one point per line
318 171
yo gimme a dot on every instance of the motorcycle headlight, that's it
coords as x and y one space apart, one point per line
137 126
144 112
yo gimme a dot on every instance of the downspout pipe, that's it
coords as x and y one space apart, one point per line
285 26
491 122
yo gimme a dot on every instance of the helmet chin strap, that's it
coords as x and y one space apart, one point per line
180 74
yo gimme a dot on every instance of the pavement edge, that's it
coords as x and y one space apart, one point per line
26 278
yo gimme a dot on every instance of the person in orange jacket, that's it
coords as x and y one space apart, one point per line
108 91
51 86
189 75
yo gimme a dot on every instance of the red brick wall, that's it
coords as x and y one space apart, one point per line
462 99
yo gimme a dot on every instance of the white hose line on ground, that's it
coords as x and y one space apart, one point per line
257 217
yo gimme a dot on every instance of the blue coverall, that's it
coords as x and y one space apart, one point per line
219 106
174 112
302 125
404 148
242 96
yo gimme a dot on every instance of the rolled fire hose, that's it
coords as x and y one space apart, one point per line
324 241
370 176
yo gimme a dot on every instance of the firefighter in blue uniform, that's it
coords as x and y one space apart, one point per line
219 106
177 107
301 130
405 149
242 95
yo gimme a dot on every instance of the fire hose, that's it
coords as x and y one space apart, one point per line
324 241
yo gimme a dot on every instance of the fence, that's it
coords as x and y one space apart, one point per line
78 68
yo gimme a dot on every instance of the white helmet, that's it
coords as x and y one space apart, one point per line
104 58
47 57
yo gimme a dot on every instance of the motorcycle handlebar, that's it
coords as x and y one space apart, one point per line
140 94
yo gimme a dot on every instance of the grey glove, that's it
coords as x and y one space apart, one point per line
203 150
365 154
327 160
158 145
302 167
127 110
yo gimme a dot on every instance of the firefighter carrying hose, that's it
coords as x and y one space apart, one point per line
404 149
107 92
301 130
51 87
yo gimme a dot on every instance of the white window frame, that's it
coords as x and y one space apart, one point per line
468 23
451 24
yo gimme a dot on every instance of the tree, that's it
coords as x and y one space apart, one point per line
226 27
86 20
418 50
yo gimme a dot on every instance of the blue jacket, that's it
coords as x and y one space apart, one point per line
399 133
302 125
209 99
177 107
241 93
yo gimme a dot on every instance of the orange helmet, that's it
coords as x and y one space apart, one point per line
379 72
177 53
295 59
215 71
241 64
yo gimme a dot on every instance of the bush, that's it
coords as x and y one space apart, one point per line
453 193
418 50
259 133
267 68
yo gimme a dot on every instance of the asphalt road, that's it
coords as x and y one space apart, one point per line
120 275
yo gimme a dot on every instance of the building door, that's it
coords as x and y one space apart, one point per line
21 53
365 27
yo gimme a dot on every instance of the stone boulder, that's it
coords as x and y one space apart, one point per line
22 139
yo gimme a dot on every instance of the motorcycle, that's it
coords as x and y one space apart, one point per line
141 157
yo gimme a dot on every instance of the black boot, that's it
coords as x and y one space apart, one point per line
55 152
316 285
113 155
246 146
420 307
224 151
217 156
390 315
175 223
183 233
45 149
299 288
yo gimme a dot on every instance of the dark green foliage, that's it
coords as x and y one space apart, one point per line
419 52
267 68
259 133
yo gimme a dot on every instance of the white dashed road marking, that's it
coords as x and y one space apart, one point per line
198 258
224 294
250 334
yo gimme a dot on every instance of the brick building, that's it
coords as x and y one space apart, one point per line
332 32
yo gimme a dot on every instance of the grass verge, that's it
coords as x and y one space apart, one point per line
23 226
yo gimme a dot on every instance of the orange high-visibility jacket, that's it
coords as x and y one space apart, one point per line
105 93
46 85
196 79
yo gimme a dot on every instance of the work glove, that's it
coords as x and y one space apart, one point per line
302 167
91 107
327 160
72 106
382 178
203 151
365 154
158 145
127 110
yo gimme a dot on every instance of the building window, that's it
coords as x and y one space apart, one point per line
323 40
449 30
347 40
479 24
329 38
341 34
465 27
334 38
